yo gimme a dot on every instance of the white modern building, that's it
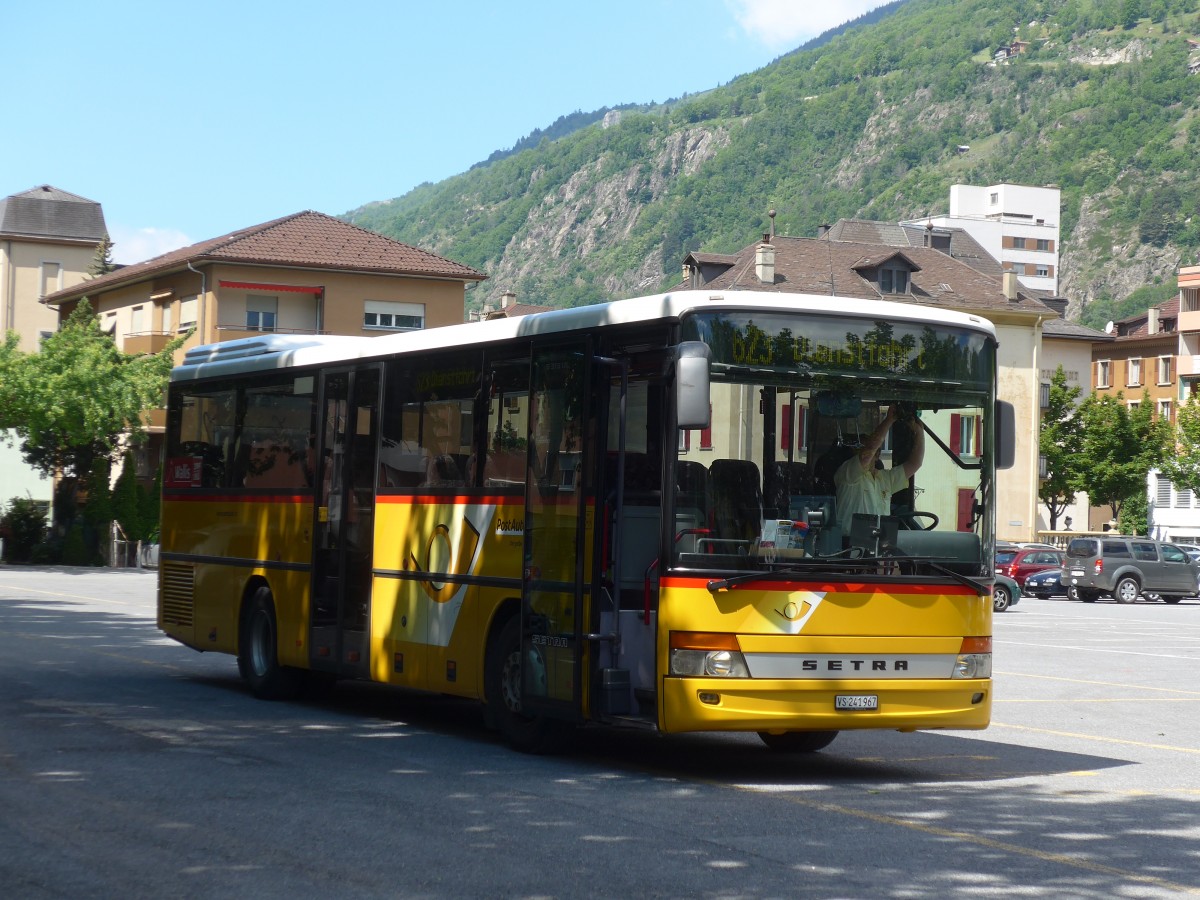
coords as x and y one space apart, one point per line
1016 224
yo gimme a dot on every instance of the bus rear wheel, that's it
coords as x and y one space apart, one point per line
503 686
798 741
258 657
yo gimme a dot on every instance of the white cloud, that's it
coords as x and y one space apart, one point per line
783 24
132 245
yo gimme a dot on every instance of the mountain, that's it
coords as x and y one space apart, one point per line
1094 96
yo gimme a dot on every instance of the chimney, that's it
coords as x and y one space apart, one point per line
1010 286
687 274
822 230
764 261
507 299
1152 320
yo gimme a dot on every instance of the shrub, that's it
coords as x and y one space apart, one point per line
23 526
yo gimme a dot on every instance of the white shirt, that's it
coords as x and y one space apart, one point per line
867 491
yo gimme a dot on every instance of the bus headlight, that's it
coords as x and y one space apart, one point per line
974 658
973 665
714 663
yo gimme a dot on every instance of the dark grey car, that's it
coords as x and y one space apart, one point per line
1126 568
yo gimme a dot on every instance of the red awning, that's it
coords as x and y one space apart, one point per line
278 288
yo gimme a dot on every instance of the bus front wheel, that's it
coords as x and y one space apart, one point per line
798 741
258 642
529 734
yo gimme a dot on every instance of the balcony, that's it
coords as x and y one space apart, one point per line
146 342
155 420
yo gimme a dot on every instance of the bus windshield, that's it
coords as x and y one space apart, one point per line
835 443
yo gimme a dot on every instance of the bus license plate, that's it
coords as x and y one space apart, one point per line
856 701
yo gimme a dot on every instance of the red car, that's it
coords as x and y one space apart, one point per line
1022 562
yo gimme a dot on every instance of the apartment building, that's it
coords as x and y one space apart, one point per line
1016 224
48 240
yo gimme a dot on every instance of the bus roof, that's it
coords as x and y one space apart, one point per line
279 351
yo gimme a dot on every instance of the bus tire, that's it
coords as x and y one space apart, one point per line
502 686
798 741
258 644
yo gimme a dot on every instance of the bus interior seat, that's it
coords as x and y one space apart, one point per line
736 499
827 465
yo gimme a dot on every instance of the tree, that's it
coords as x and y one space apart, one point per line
102 262
1108 462
1182 466
72 403
1117 448
1058 444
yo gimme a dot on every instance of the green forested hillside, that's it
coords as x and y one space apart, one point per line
866 123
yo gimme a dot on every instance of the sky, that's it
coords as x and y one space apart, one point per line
188 121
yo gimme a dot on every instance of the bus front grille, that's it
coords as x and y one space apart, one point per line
178 594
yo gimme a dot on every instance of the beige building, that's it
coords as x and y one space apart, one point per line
306 273
48 240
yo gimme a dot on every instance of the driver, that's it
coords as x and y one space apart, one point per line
863 485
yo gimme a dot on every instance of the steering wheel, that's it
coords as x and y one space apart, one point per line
909 517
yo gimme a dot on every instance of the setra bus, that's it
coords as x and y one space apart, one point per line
622 514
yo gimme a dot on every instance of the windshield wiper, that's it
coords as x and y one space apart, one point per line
724 584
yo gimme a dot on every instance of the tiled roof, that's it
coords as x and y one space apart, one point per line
46 212
818 266
309 240
516 309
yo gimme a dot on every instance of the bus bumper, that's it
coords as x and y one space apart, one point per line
745 704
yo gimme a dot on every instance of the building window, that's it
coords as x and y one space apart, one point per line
1162 494
1017 268
964 435
1018 243
1131 405
384 315
1043 244
1103 373
1164 410
1183 498
187 314
166 318
1134 373
893 281
261 312
137 320
1043 271
993 198
1164 370
1043 468
51 277
1044 395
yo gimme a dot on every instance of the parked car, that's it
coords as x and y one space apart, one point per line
1045 584
1126 568
148 554
1191 550
1005 593
1019 564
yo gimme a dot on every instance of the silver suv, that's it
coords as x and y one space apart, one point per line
1127 567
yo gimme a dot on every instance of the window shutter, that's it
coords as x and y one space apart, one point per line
785 427
955 433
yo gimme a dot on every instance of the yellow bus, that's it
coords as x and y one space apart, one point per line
622 514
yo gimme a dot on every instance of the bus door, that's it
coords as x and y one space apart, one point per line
557 530
344 520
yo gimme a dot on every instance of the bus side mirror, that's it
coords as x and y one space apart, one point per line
692 407
1006 435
